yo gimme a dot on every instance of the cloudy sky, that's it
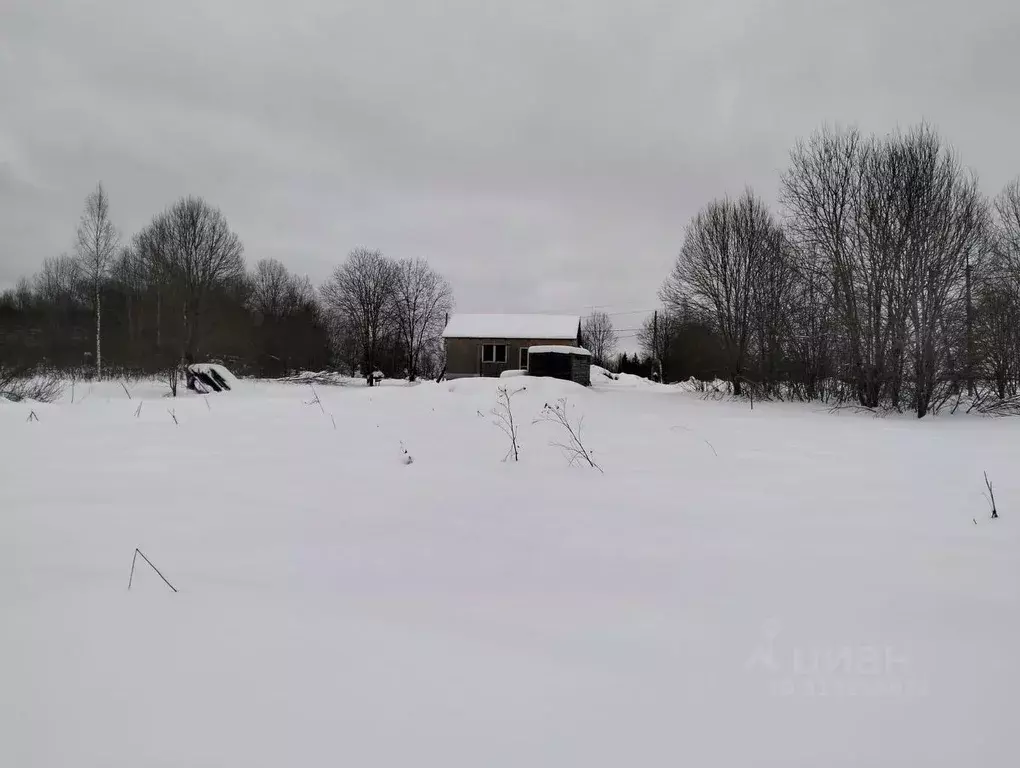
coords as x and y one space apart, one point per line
544 155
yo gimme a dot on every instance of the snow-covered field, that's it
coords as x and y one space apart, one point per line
776 587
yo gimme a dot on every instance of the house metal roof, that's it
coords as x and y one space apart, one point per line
494 326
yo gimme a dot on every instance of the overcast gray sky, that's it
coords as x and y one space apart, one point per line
543 155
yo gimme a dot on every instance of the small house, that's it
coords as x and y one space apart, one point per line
488 344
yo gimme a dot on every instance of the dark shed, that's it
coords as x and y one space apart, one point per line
561 362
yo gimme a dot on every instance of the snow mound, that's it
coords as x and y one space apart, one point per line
563 349
598 370
600 377
513 373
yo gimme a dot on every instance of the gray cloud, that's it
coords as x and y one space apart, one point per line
543 155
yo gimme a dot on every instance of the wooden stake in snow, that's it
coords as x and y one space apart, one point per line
132 576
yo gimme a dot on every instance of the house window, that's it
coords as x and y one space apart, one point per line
524 359
494 353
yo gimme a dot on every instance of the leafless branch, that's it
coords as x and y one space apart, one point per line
991 496
574 449
505 420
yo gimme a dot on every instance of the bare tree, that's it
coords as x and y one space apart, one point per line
892 225
771 312
947 226
726 250
97 245
599 337
24 296
270 288
192 252
58 282
820 191
997 289
361 292
276 292
421 301
997 331
810 338
1007 206
658 339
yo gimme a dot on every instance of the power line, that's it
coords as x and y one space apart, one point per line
588 307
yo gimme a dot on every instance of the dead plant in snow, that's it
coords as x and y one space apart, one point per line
173 376
405 456
505 420
574 449
315 399
17 385
991 497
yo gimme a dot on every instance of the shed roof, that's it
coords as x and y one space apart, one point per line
512 327
551 349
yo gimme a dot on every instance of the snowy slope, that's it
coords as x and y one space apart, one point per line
782 587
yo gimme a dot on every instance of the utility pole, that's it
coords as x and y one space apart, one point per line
656 357
970 332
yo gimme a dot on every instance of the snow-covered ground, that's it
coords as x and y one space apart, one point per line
776 587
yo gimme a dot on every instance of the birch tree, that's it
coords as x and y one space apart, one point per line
97 245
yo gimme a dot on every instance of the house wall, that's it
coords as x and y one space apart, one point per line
464 356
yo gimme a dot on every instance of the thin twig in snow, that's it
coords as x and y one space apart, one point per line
991 497
126 392
315 399
505 421
132 576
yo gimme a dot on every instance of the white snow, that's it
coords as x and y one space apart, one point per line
776 587
511 373
601 377
495 326
558 349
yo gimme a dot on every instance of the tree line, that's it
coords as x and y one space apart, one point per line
179 291
888 281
